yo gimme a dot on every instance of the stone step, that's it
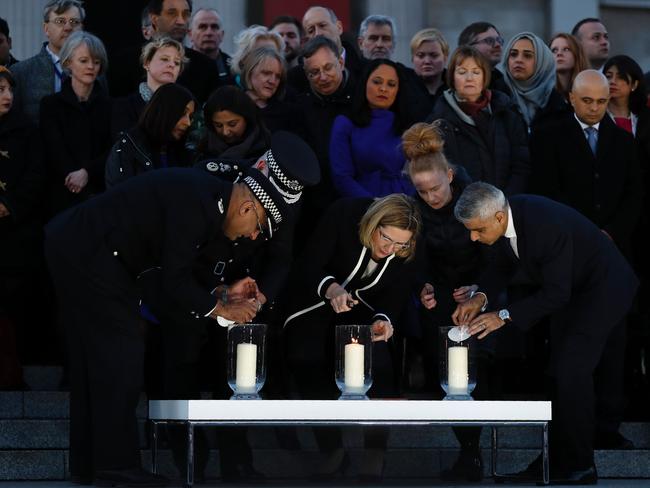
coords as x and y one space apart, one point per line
30 405
43 378
53 434
401 464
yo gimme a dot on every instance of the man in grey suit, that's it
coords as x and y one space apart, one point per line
42 74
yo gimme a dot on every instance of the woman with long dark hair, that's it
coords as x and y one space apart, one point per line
158 140
570 59
234 127
365 146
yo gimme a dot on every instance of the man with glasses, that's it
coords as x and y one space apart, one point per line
42 74
594 39
331 87
486 39
322 21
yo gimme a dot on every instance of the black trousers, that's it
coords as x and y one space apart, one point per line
586 364
105 341
309 353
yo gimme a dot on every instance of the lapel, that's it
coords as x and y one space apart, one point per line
605 135
517 221
582 145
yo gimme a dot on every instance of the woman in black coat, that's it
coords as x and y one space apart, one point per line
75 124
483 133
356 269
163 60
234 128
21 257
448 268
158 140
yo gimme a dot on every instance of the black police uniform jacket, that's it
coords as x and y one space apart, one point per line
161 219
335 254
267 260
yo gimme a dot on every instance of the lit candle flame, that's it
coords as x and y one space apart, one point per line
355 341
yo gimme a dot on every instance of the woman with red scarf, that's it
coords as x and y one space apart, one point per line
482 130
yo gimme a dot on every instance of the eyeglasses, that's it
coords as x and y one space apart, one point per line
490 41
62 21
399 246
327 70
260 229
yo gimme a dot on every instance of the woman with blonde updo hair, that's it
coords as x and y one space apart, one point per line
449 269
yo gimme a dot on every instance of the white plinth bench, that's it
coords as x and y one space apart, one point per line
493 414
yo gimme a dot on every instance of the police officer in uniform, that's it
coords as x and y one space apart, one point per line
95 253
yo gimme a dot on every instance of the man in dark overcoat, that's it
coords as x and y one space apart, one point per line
582 281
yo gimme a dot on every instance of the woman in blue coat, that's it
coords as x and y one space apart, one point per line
365 146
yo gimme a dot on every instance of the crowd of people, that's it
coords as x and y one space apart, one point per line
172 190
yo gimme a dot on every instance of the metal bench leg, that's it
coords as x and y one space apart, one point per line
494 450
190 454
154 447
545 463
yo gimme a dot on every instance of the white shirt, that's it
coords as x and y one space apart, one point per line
584 126
57 67
511 234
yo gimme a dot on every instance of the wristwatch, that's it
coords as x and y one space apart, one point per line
504 315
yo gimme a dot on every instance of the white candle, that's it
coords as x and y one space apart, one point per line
246 366
457 374
354 360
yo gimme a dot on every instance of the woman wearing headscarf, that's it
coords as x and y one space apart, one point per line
158 140
529 77
482 130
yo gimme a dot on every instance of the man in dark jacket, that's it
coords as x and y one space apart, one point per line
95 253
585 161
331 87
170 18
582 282
322 21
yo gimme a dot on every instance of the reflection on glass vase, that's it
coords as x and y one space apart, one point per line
457 364
353 368
246 362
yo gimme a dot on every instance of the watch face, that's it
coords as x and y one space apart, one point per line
504 314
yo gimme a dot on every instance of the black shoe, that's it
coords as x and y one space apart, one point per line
587 476
468 467
240 473
371 470
81 479
533 473
137 477
334 466
612 440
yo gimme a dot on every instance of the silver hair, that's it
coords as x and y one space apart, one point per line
378 20
205 9
60 6
245 42
479 201
95 46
